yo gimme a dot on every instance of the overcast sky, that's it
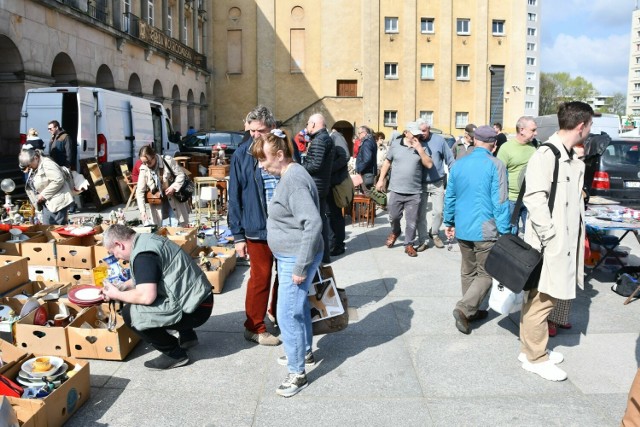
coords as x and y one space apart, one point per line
588 38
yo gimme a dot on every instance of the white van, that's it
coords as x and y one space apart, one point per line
608 123
106 125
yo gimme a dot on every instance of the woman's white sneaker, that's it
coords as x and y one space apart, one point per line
555 356
547 370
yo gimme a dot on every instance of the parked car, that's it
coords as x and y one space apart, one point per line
613 168
201 142
447 136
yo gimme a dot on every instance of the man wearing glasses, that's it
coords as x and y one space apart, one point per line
464 145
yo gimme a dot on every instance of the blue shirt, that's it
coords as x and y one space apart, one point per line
437 148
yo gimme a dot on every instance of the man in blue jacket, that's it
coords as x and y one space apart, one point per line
250 189
476 212
366 161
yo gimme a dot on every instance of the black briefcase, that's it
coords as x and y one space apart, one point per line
514 263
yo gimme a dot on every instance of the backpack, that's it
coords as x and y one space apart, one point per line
625 285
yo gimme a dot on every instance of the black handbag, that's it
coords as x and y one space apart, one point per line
512 261
186 191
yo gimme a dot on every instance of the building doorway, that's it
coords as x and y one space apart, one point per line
346 129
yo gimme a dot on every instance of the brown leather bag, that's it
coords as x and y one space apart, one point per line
153 199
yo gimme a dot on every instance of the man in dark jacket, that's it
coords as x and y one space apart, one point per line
61 148
340 172
366 162
318 163
250 189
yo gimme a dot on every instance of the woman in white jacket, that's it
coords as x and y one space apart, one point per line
161 175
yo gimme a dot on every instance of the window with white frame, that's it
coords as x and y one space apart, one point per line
531 47
390 24
498 27
637 73
533 2
390 118
531 32
635 112
531 61
530 90
427 26
636 86
126 19
636 99
638 60
185 34
150 12
427 116
426 72
532 17
391 70
170 22
528 104
531 75
462 72
463 26
462 119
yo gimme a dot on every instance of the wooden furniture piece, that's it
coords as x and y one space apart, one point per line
98 188
221 204
363 210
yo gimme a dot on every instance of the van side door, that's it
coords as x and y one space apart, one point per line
141 124
87 130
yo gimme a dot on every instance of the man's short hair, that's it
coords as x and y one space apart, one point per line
498 125
55 123
421 122
263 115
522 122
367 129
116 232
571 114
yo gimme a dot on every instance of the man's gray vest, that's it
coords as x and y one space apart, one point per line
183 285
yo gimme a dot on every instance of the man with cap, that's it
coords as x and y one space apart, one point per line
464 145
405 185
477 185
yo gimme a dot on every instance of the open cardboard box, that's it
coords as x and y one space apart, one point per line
183 237
10 354
30 412
6 324
56 289
56 409
76 276
42 250
14 248
227 257
51 340
76 252
43 273
14 271
99 343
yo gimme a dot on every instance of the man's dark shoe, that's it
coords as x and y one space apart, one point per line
187 339
338 250
423 247
409 250
163 362
480 315
462 323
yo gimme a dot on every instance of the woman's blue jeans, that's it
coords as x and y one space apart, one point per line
294 312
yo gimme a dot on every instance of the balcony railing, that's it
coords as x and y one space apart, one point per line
130 24
97 11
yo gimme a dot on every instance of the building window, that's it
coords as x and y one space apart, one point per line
528 104
637 73
169 22
638 60
635 112
427 116
531 90
531 32
390 118
391 70
531 75
150 10
636 99
426 71
532 17
533 2
185 34
531 47
463 26
498 27
462 119
636 86
462 72
427 26
297 50
390 25
531 61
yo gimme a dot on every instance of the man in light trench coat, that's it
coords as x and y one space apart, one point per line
560 236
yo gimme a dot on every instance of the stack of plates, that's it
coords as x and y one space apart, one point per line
86 295
55 375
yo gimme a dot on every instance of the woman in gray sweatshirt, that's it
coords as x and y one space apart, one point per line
294 235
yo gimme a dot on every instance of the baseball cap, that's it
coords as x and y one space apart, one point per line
470 129
485 134
413 128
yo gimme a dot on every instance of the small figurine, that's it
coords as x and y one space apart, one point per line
121 217
113 218
205 264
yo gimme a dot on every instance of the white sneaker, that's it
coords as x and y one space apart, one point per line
547 370
555 357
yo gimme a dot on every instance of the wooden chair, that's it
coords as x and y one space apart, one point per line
363 211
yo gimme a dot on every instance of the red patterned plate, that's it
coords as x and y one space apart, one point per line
86 295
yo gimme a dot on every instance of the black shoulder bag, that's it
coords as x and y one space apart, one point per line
512 261
186 191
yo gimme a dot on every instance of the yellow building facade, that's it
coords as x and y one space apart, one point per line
376 63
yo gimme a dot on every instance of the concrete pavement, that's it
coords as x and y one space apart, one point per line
401 361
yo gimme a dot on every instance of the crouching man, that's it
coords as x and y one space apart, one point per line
167 291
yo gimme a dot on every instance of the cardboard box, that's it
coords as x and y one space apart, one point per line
56 289
227 258
47 340
64 401
98 343
183 237
14 271
41 250
30 412
76 276
43 273
76 252
11 355
7 248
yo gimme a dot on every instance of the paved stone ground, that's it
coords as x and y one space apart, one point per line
401 361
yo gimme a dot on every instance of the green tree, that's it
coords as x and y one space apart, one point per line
561 87
618 104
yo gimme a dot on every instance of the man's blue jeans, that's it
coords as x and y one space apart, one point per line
522 216
294 311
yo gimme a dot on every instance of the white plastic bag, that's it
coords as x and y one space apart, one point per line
503 300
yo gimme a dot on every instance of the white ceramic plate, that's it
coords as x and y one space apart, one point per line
61 371
56 363
88 294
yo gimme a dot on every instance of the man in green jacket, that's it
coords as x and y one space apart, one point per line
167 291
